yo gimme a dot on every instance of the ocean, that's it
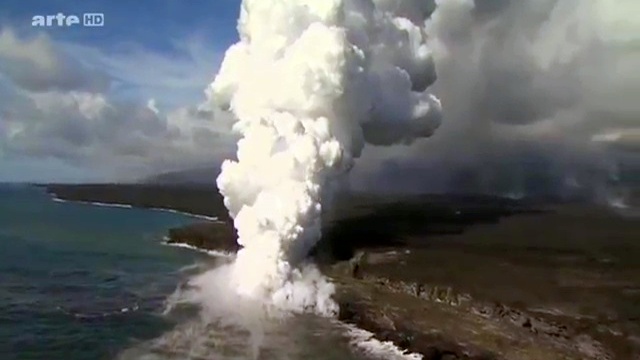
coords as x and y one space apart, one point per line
80 282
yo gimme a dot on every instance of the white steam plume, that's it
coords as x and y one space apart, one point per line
530 89
310 82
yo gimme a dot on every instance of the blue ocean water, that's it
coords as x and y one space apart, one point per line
85 282
80 281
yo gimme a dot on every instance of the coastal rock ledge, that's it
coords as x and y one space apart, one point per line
436 322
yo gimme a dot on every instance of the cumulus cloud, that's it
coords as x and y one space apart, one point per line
89 130
52 106
36 64
527 88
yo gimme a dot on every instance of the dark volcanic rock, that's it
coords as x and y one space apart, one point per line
439 328
432 346
206 235
197 200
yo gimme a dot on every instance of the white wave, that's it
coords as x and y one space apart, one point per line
55 198
197 216
214 253
618 203
628 212
621 204
189 268
365 342
515 195
101 204
79 315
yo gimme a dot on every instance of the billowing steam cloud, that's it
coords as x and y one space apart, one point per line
310 83
540 98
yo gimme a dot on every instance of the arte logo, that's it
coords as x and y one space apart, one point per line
62 20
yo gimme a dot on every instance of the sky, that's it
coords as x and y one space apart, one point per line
537 95
113 102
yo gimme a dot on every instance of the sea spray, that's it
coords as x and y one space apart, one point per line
310 82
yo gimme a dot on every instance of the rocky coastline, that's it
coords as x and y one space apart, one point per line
455 277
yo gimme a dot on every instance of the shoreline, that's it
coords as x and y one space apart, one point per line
212 253
386 259
360 339
60 199
127 206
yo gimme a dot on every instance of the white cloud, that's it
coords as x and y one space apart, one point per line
174 78
38 64
50 109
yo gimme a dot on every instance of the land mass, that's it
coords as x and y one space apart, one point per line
454 277
194 199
